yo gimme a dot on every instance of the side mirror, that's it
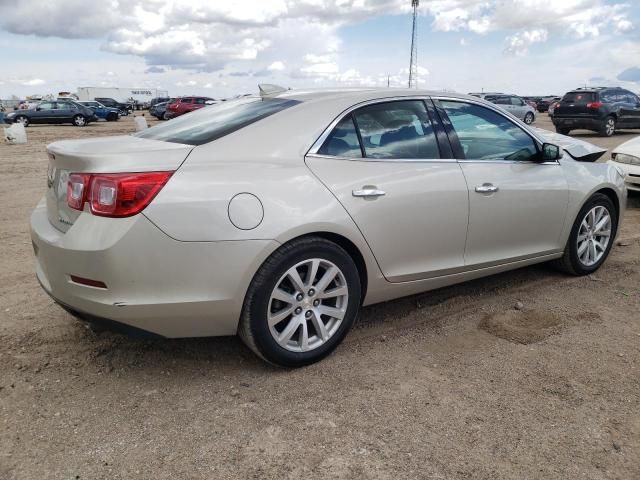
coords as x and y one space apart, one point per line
38 109
551 152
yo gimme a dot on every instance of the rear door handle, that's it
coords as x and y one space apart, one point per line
368 191
487 188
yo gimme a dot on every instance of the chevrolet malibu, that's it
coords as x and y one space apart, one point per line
278 216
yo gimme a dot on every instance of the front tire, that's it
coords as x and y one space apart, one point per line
608 128
23 120
591 237
301 303
528 118
79 121
112 117
562 131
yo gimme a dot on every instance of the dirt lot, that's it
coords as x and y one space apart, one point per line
453 384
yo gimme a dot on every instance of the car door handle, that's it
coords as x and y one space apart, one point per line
486 188
368 191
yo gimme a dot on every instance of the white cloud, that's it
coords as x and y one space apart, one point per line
519 43
276 66
34 82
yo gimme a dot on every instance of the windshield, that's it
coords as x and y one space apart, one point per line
216 121
579 97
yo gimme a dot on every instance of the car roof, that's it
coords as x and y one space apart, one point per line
356 95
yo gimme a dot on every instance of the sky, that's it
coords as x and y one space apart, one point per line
223 48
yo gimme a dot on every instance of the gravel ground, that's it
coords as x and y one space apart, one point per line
525 375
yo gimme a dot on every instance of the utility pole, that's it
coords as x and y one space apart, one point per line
413 59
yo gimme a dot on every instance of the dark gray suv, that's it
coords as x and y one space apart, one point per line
53 112
601 109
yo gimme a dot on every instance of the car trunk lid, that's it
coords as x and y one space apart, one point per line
103 155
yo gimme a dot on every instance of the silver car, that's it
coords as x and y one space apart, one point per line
278 217
513 104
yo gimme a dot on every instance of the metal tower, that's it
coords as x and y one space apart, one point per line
413 60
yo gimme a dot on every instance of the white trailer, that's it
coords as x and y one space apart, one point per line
142 95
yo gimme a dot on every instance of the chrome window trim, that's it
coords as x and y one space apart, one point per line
386 160
508 116
327 131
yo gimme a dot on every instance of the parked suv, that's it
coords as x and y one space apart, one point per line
513 104
601 109
183 105
124 108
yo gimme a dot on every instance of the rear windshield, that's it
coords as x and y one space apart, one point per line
216 121
579 97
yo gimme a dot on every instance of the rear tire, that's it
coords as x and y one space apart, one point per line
79 121
165 116
562 131
572 261
608 128
295 323
528 118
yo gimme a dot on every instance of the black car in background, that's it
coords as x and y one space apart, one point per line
53 112
543 104
601 109
124 108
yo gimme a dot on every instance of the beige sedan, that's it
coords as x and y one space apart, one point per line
278 216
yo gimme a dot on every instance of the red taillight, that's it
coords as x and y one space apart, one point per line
115 194
594 105
77 190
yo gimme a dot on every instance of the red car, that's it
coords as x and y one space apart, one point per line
182 105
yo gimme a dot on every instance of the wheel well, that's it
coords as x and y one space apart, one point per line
353 252
613 197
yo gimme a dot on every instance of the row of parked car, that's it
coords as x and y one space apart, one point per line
68 110
174 107
600 109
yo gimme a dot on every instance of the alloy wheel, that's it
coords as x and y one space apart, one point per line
23 120
528 119
79 121
307 305
594 235
610 127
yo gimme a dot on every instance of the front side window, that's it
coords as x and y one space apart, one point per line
397 130
342 141
46 106
517 101
186 100
487 135
207 124
201 101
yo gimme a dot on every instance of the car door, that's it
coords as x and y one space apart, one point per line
382 162
63 112
517 204
518 107
43 113
629 109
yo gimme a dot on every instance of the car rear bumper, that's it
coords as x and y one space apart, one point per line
587 123
153 282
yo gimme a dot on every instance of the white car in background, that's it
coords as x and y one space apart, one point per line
513 104
627 158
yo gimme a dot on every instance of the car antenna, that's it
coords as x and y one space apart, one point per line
270 90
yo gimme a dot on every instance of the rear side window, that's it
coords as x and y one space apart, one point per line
207 124
343 141
579 97
397 130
